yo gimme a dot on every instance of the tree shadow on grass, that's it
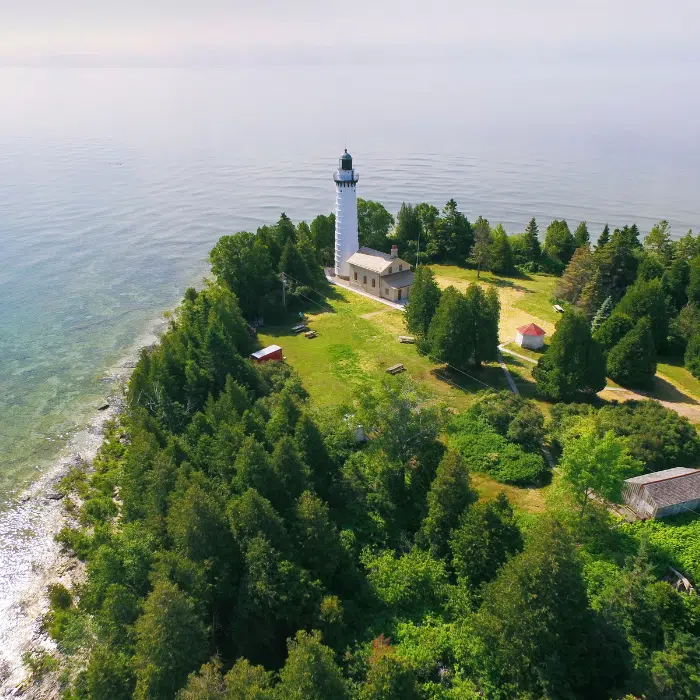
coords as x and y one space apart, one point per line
665 391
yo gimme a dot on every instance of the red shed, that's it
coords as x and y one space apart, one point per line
271 352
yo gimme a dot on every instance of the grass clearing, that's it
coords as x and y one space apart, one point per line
524 299
358 339
529 500
673 371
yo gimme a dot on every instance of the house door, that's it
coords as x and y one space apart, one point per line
399 297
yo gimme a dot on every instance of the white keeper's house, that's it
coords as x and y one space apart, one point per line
384 275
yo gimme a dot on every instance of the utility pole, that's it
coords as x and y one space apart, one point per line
418 250
284 295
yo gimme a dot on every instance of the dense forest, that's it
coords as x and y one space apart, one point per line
240 543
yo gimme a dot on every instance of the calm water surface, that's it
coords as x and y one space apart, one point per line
115 183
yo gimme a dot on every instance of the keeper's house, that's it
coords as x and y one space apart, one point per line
383 275
659 494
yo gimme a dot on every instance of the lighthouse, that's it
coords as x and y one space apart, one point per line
346 242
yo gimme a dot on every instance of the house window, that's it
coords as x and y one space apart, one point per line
391 269
400 268
374 282
356 277
364 279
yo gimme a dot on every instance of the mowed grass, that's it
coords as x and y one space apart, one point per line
675 373
357 340
524 299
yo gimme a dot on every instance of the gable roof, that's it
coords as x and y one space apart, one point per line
670 486
531 329
269 350
398 280
374 260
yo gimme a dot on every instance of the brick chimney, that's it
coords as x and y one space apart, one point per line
394 251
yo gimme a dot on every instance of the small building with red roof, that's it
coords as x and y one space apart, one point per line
530 336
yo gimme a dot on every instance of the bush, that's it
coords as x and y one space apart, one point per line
510 415
59 597
484 450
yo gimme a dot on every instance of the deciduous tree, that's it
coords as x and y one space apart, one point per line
593 465
558 241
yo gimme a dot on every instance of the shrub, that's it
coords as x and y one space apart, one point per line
692 356
484 450
59 597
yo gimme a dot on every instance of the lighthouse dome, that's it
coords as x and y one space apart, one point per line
346 161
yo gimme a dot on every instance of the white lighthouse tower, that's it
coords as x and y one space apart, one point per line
346 243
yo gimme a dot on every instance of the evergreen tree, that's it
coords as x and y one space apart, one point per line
675 283
423 302
291 471
650 267
310 671
579 272
537 634
602 315
694 282
632 362
692 355
581 235
487 535
450 495
318 543
449 332
532 242
613 331
285 231
573 366
604 237
294 267
454 234
483 242
501 252
647 299
408 224
170 643
558 241
323 236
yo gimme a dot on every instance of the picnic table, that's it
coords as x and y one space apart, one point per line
407 339
299 328
396 369
310 334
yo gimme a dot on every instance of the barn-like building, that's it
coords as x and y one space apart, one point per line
663 493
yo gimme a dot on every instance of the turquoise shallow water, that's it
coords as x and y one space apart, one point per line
115 183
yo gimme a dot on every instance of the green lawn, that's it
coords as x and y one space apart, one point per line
524 299
358 339
673 371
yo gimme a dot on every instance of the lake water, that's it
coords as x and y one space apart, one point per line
116 181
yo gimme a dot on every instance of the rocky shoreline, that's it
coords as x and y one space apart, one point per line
33 558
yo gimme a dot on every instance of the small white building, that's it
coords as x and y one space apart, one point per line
668 492
530 337
383 275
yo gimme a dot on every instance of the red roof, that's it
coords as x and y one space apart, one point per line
531 329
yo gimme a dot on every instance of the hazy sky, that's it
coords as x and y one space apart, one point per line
33 29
